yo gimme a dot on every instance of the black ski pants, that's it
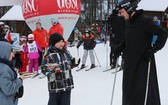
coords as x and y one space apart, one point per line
113 57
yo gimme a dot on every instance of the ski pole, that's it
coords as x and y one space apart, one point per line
78 55
115 76
147 83
107 56
97 57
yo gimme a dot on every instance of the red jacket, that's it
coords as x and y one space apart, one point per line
9 38
41 37
57 29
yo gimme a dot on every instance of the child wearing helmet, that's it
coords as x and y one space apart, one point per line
89 44
23 56
6 36
33 48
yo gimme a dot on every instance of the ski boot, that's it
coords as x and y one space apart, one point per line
112 66
82 66
92 66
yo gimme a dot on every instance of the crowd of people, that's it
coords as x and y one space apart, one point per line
133 36
35 52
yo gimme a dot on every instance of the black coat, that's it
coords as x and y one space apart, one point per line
117 30
2 36
139 32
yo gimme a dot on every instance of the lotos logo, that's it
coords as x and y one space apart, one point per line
67 4
29 6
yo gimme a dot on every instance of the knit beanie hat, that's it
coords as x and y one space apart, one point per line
54 38
5 50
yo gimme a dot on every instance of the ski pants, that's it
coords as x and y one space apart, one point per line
33 64
60 98
41 56
113 57
92 58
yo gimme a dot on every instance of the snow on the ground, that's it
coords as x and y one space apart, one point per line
94 87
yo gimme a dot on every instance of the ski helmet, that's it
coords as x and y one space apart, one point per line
1 23
129 6
87 31
30 37
54 21
6 26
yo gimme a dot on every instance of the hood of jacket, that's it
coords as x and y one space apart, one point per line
5 50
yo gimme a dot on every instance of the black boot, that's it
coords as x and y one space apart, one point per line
82 66
92 66
112 66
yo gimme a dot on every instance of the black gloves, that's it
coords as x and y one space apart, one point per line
75 62
94 44
20 92
44 69
149 53
77 46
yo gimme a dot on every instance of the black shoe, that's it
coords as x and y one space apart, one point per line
112 66
92 66
82 66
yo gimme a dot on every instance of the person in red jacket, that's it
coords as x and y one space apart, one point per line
6 33
56 27
23 56
42 38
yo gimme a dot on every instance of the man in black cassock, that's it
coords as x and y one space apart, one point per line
139 51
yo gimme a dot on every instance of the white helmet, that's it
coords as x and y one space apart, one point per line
1 23
30 37
6 26
54 20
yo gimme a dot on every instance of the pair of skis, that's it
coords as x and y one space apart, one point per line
41 77
35 75
120 69
85 69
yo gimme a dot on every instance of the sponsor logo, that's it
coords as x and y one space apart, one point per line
67 4
29 6
125 4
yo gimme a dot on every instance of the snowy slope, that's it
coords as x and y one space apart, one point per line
94 87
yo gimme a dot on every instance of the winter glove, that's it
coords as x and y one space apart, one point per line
20 93
75 62
44 70
94 45
149 53
77 47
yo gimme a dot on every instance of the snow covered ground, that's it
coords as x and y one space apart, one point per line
94 87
